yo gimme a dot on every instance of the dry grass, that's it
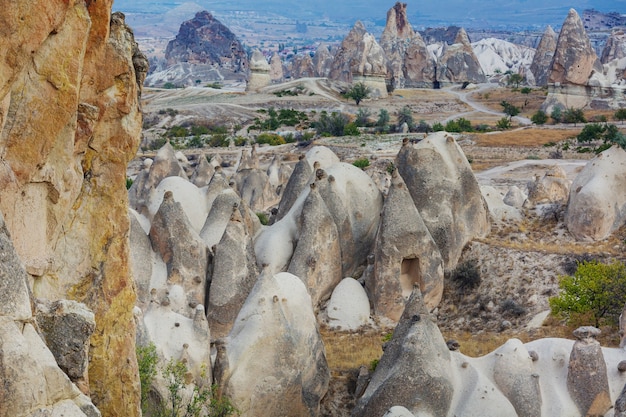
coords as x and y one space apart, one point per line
527 103
528 137
350 350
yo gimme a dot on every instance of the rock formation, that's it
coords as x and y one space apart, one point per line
405 256
552 188
597 199
348 307
445 192
409 62
302 67
360 58
458 63
259 72
615 47
205 40
544 55
277 73
574 59
272 362
63 195
322 61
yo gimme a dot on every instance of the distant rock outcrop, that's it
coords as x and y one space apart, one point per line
615 47
302 67
322 61
277 72
361 57
458 62
205 40
542 62
409 62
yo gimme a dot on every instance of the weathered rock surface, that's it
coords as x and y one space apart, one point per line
322 61
205 40
587 380
409 62
458 62
542 62
445 192
498 209
317 256
615 47
299 179
553 187
63 190
414 371
348 307
574 57
405 256
361 56
597 200
272 362
302 67
277 73
259 72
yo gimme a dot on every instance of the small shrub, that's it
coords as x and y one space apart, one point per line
218 140
594 295
351 130
361 163
504 123
263 218
157 143
438 127
374 364
129 183
271 139
147 361
423 127
512 308
391 167
539 118
525 90
467 275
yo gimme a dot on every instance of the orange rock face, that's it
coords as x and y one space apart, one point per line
70 120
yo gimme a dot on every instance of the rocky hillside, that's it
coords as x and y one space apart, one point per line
70 120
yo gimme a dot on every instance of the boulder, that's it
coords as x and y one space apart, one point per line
587 380
405 256
499 210
348 307
552 188
414 371
317 256
233 274
515 197
445 192
183 251
272 362
542 61
574 58
597 199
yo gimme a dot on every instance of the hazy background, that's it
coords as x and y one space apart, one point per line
504 14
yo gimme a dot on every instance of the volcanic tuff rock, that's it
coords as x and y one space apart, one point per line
322 61
205 40
615 47
458 62
574 58
409 62
361 56
69 127
542 62
445 192
597 199
259 72
277 73
302 67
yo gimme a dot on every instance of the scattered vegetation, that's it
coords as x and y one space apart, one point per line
290 93
406 116
609 134
539 118
594 295
331 125
361 163
271 139
458 125
509 109
620 115
276 119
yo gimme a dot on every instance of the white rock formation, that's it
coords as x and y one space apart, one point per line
349 307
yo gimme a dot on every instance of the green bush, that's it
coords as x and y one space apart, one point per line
504 123
147 361
539 118
129 183
351 129
263 218
271 139
620 115
525 90
361 163
438 127
594 295
158 143
218 140
331 125
458 125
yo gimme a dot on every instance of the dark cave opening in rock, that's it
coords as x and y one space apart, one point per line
409 275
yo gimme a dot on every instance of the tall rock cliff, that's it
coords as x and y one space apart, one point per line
409 62
70 80
542 61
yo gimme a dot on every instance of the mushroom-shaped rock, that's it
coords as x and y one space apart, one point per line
348 307
233 275
597 200
445 192
182 249
414 371
272 362
317 256
259 72
277 73
587 380
405 255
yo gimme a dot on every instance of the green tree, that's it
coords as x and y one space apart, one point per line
620 115
572 115
331 125
539 118
509 109
358 92
504 123
594 295
383 118
515 80
557 114
591 132
147 361
406 116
